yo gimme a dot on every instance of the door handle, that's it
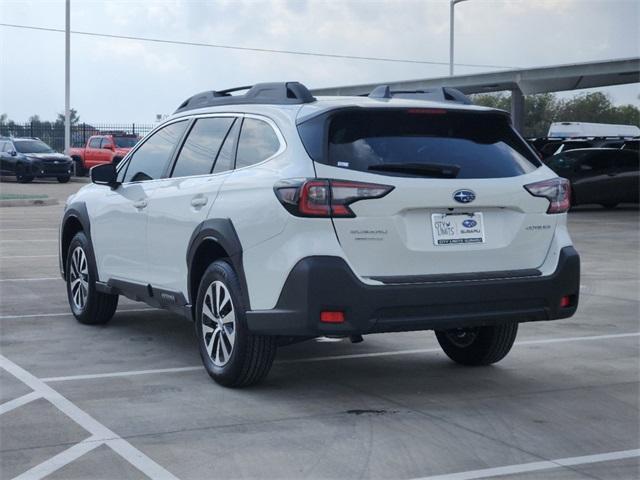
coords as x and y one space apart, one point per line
140 204
199 201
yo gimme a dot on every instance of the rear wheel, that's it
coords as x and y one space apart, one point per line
478 345
79 168
87 304
64 179
232 356
21 174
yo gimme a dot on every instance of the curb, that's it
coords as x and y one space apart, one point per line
37 202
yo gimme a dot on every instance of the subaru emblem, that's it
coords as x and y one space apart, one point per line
468 223
464 196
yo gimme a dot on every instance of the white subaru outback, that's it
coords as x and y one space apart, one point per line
271 217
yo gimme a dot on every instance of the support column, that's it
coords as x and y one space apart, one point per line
517 109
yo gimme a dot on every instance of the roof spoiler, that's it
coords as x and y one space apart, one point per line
278 93
436 94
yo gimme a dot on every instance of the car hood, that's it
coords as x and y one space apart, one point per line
48 156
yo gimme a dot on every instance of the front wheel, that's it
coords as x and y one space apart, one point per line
478 345
64 179
21 174
232 356
87 304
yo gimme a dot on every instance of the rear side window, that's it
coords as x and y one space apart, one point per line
201 147
94 142
257 142
422 142
151 159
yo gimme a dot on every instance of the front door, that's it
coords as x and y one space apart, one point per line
119 223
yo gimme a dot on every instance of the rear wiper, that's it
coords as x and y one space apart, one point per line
422 169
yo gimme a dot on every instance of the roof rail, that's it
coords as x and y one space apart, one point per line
436 94
278 93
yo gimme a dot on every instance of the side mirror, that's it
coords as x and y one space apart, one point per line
105 174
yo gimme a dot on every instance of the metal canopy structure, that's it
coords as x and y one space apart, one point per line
520 82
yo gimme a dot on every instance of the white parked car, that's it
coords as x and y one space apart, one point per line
272 216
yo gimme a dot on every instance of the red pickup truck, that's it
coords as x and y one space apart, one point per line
101 149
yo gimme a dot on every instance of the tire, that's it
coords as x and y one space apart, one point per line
609 206
80 171
224 328
87 304
478 345
21 176
64 179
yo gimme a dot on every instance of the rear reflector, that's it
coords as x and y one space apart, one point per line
565 301
327 316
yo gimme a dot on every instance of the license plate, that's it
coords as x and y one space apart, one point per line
456 228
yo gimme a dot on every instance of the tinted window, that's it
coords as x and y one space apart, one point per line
32 146
106 142
596 162
3 146
257 142
224 162
565 161
628 160
94 142
151 159
125 142
469 145
201 147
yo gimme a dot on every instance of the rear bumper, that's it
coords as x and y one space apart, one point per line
327 283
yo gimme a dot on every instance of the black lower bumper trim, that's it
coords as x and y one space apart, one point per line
327 283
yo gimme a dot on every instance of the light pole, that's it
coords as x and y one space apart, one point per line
67 69
452 4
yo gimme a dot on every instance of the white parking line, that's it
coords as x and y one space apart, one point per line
536 466
4 257
63 314
29 240
98 431
127 373
40 279
57 462
27 229
18 402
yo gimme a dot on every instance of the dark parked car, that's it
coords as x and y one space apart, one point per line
28 158
606 176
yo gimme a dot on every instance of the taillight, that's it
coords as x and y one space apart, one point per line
324 197
556 190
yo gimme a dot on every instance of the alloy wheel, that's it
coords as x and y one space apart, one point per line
218 323
462 337
79 278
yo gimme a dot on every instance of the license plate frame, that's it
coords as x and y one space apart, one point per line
451 229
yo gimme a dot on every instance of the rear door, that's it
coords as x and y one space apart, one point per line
466 171
182 201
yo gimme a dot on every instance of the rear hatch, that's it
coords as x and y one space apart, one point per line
458 203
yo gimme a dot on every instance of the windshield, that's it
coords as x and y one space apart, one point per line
125 142
473 145
32 146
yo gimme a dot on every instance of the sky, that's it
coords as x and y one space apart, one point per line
117 80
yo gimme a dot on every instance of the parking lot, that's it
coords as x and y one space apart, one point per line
130 399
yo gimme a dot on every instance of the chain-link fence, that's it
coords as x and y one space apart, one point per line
52 133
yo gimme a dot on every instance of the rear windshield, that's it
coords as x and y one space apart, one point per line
421 142
125 142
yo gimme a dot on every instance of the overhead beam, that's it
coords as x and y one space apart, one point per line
531 80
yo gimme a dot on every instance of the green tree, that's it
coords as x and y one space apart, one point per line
75 118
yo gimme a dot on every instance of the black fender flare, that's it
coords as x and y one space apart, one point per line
78 211
222 232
